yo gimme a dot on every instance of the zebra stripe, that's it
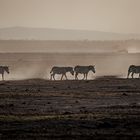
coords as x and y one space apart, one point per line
3 69
83 70
133 69
62 71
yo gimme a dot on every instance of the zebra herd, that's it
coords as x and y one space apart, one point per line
76 70
85 70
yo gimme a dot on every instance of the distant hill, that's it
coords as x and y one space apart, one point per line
22 33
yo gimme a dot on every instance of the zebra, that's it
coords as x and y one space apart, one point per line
133 69
3 69
83 70
62 71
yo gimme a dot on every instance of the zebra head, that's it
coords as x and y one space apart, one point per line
70 69
92 68
6 68
131 68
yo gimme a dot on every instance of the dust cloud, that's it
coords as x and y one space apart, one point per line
38 65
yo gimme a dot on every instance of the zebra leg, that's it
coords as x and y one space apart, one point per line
2 76
76 74
62 76
132 75
53 76
66 77
84 76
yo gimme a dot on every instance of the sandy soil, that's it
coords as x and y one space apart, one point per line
105 108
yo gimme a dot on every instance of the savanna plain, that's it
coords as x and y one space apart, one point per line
106 106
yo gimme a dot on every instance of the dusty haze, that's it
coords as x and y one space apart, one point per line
64 46
34 59
38 65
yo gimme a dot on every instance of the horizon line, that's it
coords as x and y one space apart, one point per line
55 28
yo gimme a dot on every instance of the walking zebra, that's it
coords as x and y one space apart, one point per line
3 69
133 69
62 71
83 70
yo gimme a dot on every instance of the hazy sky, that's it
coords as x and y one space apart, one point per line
104 15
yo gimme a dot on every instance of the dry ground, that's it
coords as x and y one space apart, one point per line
105 108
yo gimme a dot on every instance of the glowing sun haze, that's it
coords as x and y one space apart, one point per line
133 50
103 15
